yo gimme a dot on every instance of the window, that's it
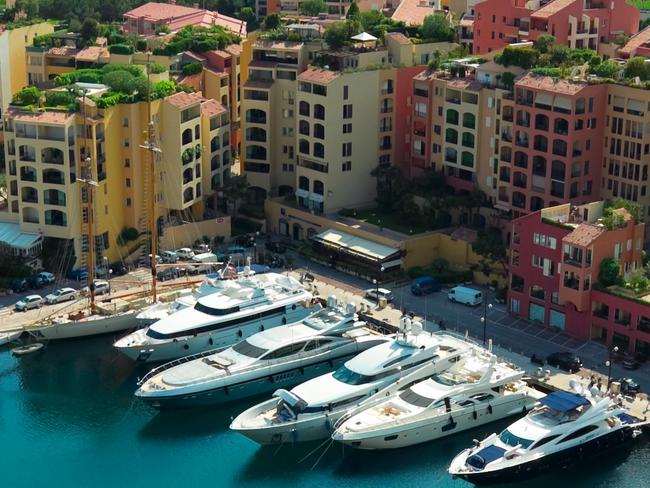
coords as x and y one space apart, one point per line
347 128
127 163
346 92
128 182
545 440
126 142
347 111
128 202
347 149
347 166
125 122
579 433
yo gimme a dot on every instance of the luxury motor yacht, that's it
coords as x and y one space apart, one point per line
309 411
476 390
241 308
283 356
565 427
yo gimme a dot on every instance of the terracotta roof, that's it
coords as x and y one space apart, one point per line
220 74
584 234
63 51
320 76
635 42
547 83
91 53
552 8
464 234
195 81
412 12
463 84
178 16
46 117
234 49
182 99
212 107
398 37
194 55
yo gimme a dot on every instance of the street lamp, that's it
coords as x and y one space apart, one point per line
609 365
486 306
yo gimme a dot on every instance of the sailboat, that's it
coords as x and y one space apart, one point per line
120 314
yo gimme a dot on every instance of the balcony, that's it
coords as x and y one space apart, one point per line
53 178
572 259
572 283
27 175
644 325
418 92
601 312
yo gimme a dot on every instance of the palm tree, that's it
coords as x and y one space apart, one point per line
234 189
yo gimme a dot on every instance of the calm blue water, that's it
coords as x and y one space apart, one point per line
68 418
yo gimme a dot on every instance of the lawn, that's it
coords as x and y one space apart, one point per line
389 220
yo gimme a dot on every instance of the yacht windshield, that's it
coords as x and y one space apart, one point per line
245 348
345 375
510 439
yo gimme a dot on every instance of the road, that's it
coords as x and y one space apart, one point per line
512 333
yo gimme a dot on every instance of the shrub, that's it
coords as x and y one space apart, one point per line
116 38
524 57
609 272
141 45
121 81
163 89
157 68
121 49
30 95
59 98
191 68
437 28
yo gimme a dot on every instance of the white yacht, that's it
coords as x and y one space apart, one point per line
283 356
309 411
476 390
241 308
564 428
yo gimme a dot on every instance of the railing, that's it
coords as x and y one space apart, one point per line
176 362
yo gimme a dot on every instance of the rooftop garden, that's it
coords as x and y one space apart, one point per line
615 220
198 39
127 84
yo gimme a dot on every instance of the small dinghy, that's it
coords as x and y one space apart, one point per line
27 349
7 337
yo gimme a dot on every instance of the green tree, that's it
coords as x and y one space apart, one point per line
610 272
234 189
508 80
89 30
490 245
313 7
437 27
636 67
544 42
389 185
121 81
337 35
272 21
606 69
247 14
353 11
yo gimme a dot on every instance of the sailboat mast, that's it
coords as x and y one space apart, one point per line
152 181
89 186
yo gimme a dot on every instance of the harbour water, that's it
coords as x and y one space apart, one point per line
68 418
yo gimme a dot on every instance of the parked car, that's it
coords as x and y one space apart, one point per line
29 302
201 249
79 274
630 362
101 287
628 386
275 246
169 257
18 285
48 278
118 269
377 293
61 295
184 253
35 282
466 296
165 274
424 286
565 360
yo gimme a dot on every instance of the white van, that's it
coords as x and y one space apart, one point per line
466 296
206 262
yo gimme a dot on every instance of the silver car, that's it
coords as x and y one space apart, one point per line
29 302
61 295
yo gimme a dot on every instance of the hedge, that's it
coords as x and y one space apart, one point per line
157 68
121 49
192 68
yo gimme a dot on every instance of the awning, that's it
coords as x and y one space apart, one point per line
359 246
364 37
12 236
562 102
544 99
564 401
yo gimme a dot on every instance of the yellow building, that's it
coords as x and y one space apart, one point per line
13 68
48 151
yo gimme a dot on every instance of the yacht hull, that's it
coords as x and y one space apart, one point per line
85 328
598 447
430 429
204 341
246 387
303 430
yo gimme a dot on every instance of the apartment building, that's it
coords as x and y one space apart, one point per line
146 19
308 130
13 70
47 152
555 259
573 23
46 62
